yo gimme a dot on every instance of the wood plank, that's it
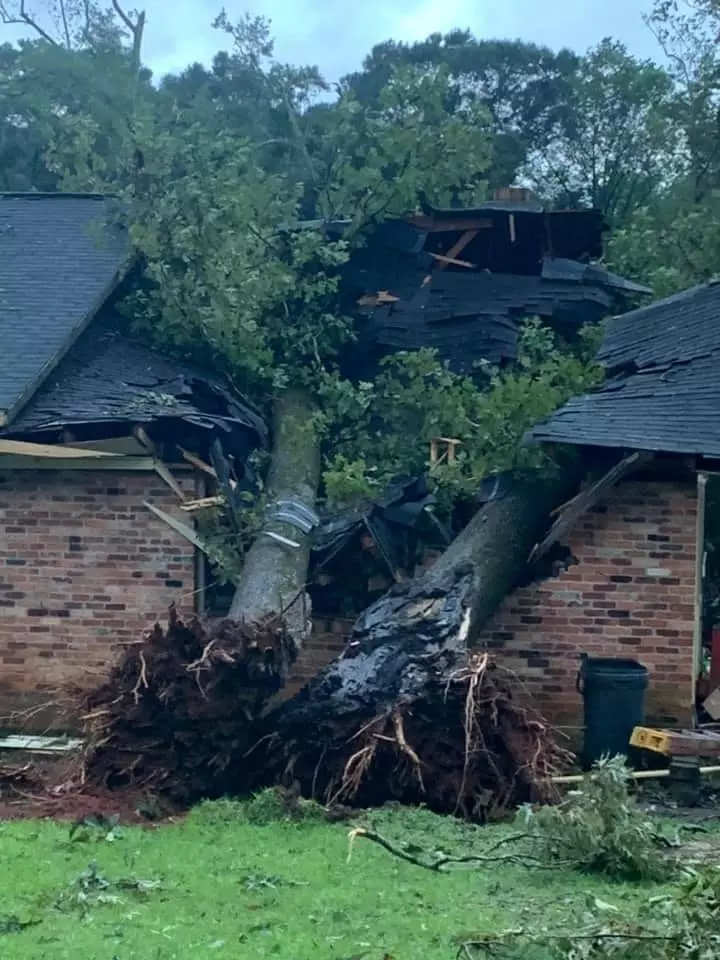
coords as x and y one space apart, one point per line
458 247
164 474
125 446
39 744
23 448
586 499
198 463
430 225
458 263
178 526
202 503
113 462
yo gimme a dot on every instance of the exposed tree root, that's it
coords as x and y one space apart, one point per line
182 714
465 744
179 710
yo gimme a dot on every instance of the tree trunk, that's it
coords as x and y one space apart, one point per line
274 574
396 680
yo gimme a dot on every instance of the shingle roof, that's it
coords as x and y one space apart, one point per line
58 263
108 377
663 387
470 316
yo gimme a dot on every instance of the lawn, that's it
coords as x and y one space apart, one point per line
218 885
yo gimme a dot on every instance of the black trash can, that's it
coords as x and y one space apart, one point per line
613 694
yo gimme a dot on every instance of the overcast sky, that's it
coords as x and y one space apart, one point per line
336 34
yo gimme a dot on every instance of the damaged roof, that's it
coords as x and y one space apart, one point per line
662 390
59 262
109 377
469 315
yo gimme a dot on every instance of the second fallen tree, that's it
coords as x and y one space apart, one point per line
407 713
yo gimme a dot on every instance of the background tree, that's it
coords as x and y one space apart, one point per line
522 86
673 241
78 78
613 146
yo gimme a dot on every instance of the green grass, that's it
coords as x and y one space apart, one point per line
219 886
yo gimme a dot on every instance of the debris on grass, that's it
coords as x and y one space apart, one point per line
598 829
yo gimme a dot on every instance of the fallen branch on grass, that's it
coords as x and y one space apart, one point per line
515 939
439 862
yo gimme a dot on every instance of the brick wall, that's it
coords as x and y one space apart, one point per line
84 567
631 595
326 642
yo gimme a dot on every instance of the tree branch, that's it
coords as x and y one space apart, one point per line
66 28
26 20
438 863
136 29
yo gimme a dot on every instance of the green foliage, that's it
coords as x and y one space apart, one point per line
268 807
68 97
614 144
671 245
92 888
679 926
522 87
417 397
600 829
96 827
673 241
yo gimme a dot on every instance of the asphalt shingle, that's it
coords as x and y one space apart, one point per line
58 262
663 389
108 377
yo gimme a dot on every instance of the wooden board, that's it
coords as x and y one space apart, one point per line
22 448
677 743
86 462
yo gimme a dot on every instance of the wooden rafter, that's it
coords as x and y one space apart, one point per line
457 248
571 512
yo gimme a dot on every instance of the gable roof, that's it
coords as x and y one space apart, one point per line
59 262
662 391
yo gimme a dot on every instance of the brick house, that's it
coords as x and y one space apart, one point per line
628 581
633 587
89 420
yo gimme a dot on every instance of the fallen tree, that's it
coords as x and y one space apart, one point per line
272 581
407 713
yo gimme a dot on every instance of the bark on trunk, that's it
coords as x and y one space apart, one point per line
409 711
419 622
274 573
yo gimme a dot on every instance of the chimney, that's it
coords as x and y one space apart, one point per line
514 195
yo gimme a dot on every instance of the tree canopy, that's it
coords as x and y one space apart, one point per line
217 166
